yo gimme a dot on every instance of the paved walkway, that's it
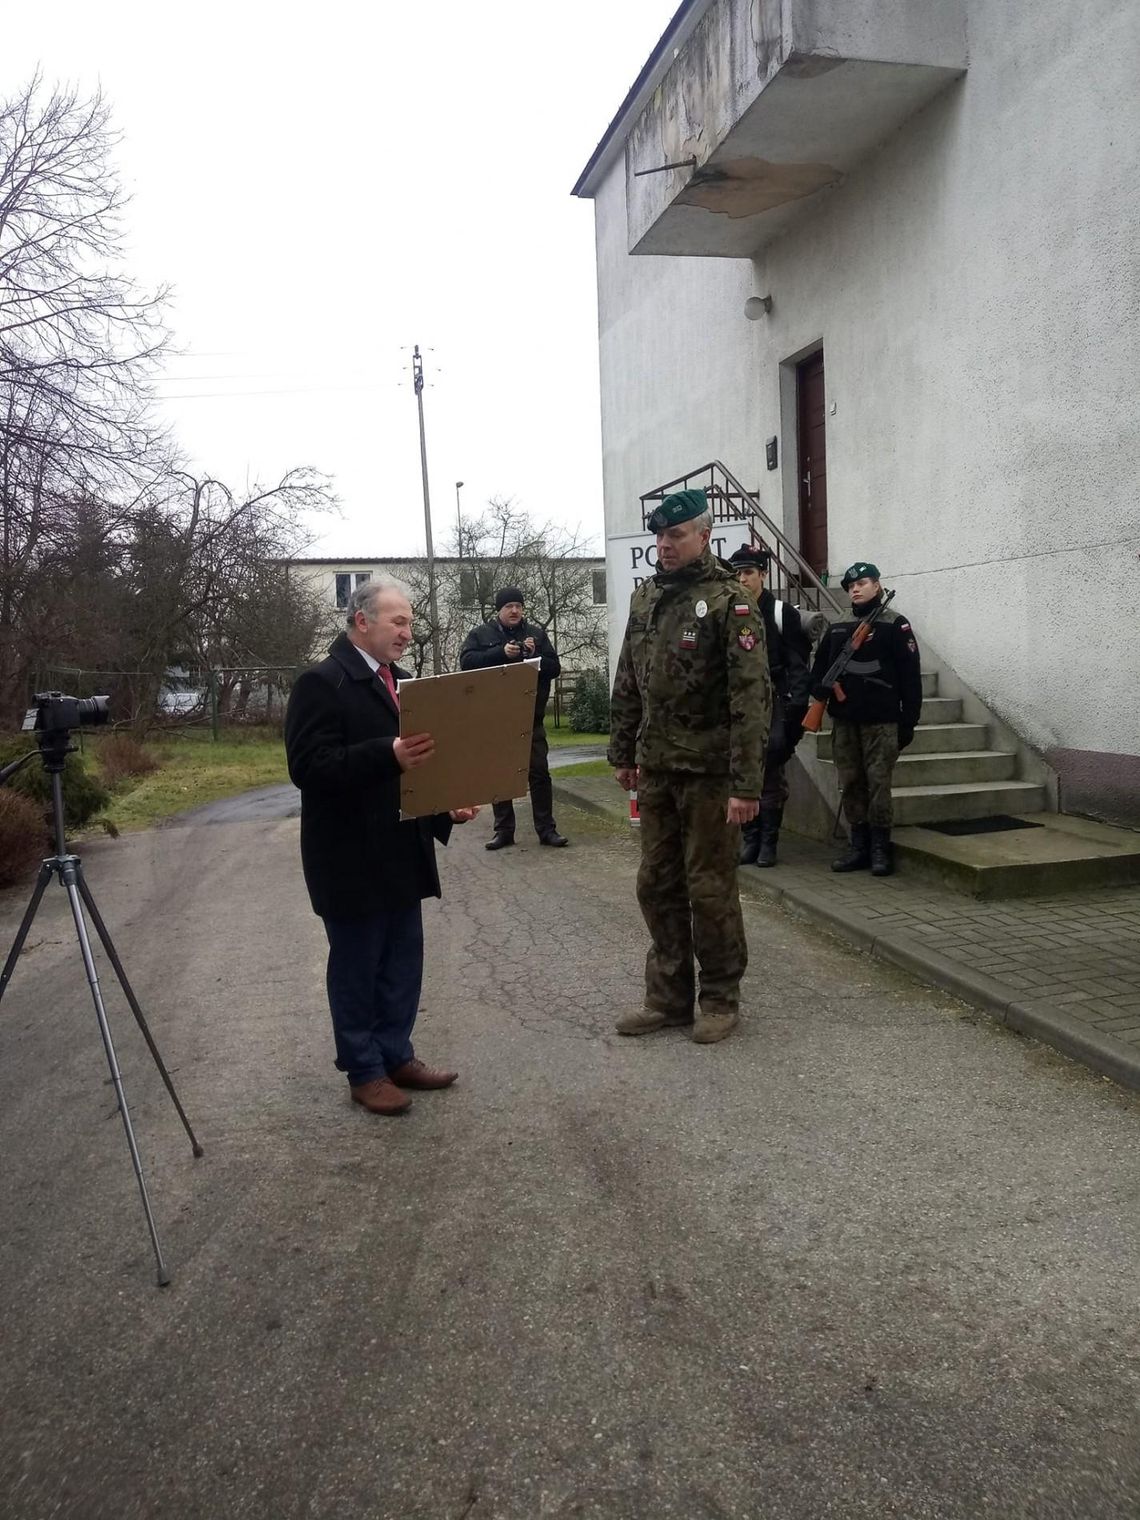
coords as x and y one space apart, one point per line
866 1260
1065 969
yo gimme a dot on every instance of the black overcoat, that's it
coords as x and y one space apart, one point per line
357 856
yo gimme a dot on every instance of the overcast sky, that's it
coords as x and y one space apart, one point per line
324 184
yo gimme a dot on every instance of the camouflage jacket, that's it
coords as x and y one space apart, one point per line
692 690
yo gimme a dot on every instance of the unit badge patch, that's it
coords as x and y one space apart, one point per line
746 639
701 608
912 646
689 639
742 609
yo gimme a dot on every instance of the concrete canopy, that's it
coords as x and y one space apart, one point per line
764 104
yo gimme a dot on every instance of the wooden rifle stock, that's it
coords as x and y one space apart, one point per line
813 718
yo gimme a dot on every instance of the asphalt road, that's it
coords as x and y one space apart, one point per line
870 1257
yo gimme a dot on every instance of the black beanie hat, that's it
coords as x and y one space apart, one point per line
508 594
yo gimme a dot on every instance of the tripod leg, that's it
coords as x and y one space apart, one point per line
113 957
25 924
68 876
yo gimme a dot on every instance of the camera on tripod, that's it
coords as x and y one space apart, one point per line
56 714
52 719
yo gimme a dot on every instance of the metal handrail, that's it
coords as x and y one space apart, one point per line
793 578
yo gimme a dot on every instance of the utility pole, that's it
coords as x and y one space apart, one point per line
433 608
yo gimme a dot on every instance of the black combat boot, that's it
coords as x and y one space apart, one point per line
749 842
769 835
882 855
858 856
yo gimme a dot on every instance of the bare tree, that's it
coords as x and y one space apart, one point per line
209 580
551 566
78 339
77 347
110 555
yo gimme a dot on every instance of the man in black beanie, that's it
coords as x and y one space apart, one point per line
502 640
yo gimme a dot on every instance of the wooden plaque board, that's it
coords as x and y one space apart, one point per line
481 721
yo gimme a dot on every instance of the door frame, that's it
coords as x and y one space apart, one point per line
790 436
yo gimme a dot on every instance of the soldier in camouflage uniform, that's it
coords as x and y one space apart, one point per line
691 707
882 691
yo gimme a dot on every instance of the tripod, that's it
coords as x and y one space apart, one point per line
54 747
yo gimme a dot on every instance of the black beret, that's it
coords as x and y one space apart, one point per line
751 557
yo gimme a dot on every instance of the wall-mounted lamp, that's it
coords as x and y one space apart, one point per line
756 307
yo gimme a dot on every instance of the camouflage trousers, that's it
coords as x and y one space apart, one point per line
688 894
865 755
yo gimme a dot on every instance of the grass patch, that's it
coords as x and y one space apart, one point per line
563 738
192 771
583 768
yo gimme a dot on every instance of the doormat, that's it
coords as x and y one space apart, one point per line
1001 823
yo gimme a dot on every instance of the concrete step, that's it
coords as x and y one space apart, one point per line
937 804
929 739
929 683
954 768
947 738
1057 854
941 710
982 765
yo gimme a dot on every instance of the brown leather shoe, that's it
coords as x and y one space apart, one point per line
416 1074
381 1096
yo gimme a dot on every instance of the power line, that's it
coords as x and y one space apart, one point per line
303 390
269 374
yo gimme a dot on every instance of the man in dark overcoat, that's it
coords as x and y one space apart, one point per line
367 872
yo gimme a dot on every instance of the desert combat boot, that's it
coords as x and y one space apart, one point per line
647 1020
711 1027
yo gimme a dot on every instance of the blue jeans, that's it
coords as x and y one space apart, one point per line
374 974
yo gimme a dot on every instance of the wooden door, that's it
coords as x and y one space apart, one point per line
811 430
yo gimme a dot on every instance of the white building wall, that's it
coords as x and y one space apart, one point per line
977 291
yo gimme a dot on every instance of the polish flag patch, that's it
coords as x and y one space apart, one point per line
742 609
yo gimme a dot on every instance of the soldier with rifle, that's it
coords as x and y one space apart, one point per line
868 676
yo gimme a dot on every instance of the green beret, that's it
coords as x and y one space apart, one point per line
857 571
681 507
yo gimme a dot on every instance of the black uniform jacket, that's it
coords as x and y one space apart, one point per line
883 683
357 856
484 647
789 651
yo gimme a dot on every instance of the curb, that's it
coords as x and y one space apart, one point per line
564 794
1038 1018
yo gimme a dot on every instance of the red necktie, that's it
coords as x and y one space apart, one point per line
385 674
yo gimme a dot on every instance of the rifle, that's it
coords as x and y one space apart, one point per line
859 636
